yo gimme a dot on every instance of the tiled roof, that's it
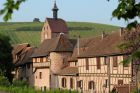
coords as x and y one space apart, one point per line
69 71
57 25
98 46
18 49
58 44
25 56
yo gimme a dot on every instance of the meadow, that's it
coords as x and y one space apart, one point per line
29 32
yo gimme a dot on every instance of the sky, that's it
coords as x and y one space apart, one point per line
95 11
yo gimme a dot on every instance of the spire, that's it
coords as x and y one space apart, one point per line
55 9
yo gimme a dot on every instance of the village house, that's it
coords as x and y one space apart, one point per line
90 65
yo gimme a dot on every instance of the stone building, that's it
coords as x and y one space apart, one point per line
90 65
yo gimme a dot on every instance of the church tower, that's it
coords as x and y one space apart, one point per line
53 26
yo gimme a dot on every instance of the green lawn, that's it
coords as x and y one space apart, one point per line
29 32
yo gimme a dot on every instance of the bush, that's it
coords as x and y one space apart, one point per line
19 83
4 81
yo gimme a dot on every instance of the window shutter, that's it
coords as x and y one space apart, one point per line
91 85
40 75
115 61
64 82
87 64
105 60
98 63
71 83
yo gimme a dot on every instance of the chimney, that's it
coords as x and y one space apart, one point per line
121 31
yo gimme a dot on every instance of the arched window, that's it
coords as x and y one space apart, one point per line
91 85
64 82
71 82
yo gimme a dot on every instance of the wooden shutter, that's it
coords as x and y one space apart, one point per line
98 63
87 64
64 82
105 60
40 75
71 83
115 61
91 85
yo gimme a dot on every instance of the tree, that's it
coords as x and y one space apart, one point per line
5 57
36 20
128 10
9 7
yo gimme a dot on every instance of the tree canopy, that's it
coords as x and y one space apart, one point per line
5 57
128 10
9 7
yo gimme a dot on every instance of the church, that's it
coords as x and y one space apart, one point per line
88 65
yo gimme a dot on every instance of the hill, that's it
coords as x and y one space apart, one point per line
29 32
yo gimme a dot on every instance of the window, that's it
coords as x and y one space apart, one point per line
64 61
71 83
80 84
45 88
91 85
40 75
120 82
75 63
98 63
115 63
87 64
64 82
41 59
106 83
125 57
28 66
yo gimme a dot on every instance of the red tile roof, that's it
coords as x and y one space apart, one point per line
98 46
69 71
58 44
57 25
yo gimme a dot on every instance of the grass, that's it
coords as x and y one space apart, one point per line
13 89
29 32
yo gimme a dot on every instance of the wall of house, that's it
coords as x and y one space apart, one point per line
21 73
29 74
58 61
89 71
46 32
42 81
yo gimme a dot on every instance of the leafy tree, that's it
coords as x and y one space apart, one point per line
9 7
5 57
128 10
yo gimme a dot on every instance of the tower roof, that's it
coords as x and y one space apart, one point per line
55 7
57 26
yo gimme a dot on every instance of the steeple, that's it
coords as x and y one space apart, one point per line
55 9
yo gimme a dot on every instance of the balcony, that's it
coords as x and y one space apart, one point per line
41 64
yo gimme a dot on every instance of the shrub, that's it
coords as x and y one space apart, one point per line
4 81
19 83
